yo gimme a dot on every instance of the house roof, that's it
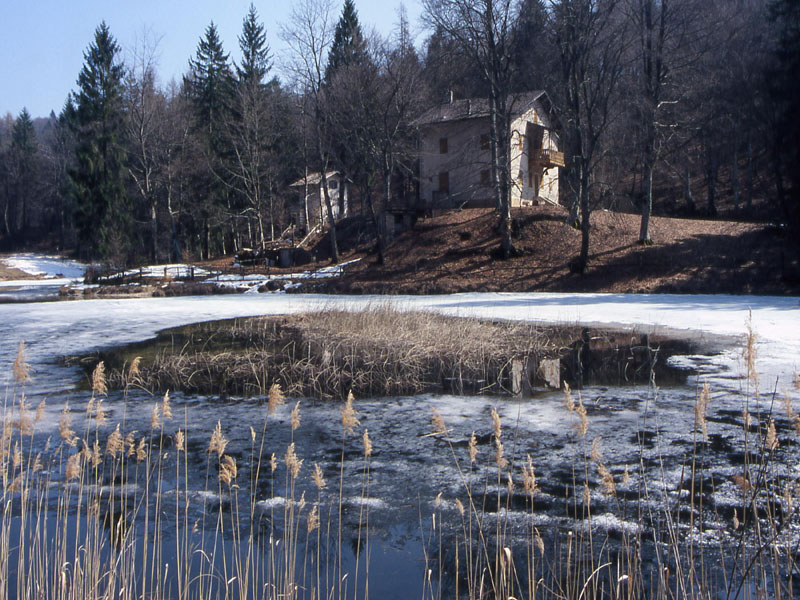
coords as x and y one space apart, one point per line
476 108
313 178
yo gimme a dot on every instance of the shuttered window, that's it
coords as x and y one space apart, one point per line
444 182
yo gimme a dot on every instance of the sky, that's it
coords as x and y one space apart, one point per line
43 41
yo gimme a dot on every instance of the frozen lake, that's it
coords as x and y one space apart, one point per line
646 433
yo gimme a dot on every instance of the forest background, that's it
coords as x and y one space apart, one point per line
679 108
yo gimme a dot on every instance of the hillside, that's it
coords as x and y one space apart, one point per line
455 252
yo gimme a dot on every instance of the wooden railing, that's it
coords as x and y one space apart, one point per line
548 157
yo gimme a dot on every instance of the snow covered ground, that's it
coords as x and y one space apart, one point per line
54 329
52 270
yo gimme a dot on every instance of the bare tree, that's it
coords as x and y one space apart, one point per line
251 132
309 35
591 43
668 33
145 106
484 30
375 99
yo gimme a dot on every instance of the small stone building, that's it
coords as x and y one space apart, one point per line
307 202
454 153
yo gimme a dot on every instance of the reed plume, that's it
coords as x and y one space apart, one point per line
473 448
349 415
21 369
313 519
772 436
367 444
99 385
569 402
701 409
141 450
583 420
227 469
218 442
438 423
180 441
529 478
275 398
318 478
115 444
166 408
293 463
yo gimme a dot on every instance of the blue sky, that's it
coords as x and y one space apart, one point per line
43 41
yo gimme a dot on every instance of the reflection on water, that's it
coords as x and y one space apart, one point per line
402 506
644 479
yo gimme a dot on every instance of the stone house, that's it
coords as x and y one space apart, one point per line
454 154
307 201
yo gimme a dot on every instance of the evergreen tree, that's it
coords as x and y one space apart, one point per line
252 135
23 168
785 91
256 60
210 85
348 64
211 88
97 176
348 45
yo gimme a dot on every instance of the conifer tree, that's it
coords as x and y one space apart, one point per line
97 176
347 56
210 85
256 59
348 45
251 132
23 169
785 92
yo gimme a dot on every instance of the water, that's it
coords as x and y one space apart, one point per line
648 438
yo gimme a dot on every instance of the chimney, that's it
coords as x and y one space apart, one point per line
452 96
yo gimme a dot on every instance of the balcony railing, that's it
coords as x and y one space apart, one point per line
548 157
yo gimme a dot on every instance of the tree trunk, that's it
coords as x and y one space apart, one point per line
735 176
749 176
329 208
154 231
583 258
647 189
378 222
712 183
687 188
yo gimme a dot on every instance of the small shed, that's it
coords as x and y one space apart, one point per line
307 200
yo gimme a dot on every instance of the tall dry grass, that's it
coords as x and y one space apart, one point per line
104 511
681 542
376 352
107 512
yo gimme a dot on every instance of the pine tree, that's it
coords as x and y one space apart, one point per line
211 88
97 176
23 157
785 90
256 60
210 85
348 45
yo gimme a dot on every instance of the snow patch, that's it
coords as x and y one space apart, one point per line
46 266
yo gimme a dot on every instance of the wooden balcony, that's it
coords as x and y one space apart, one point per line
547 157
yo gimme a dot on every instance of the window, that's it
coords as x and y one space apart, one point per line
444 182
485 177
443 145
484 141
333 184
